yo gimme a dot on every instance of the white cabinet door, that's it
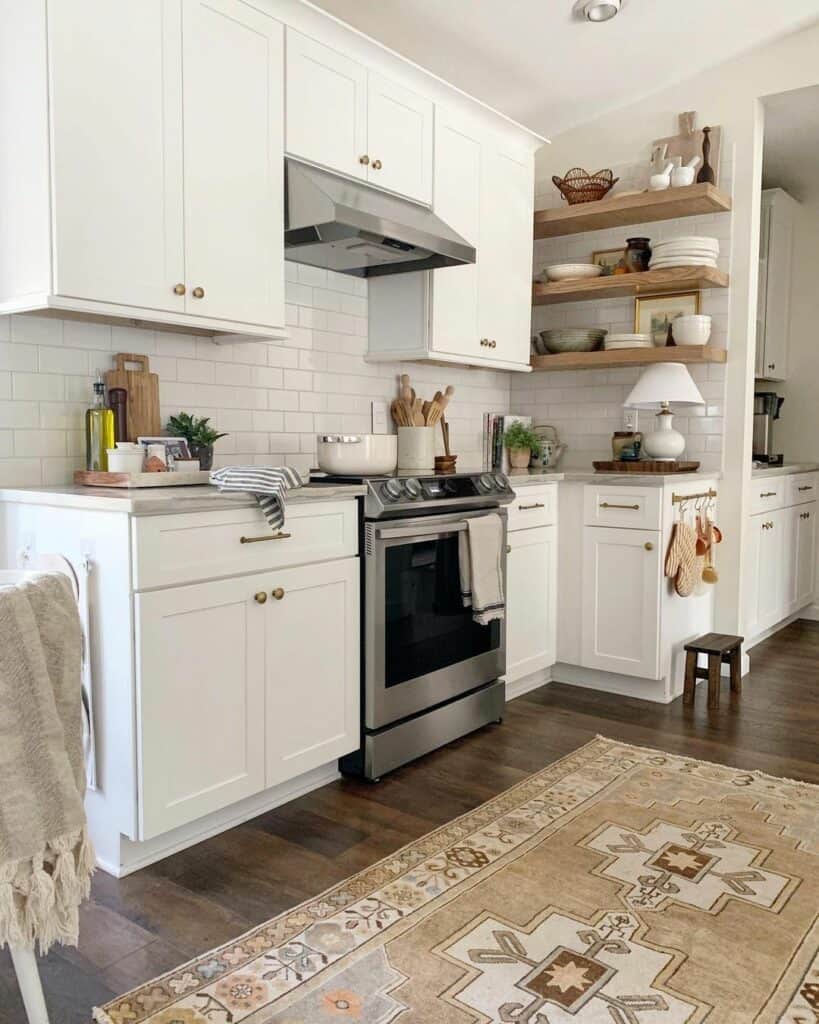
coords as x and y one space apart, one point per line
326 106
753 541
505 254
531 583
200 700
457 201
778 213
805 521
312 667
621 601
116 115
399 139
233 81
772 571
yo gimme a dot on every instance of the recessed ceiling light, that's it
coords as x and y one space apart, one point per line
601 10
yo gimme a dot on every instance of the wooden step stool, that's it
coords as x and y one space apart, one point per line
720 647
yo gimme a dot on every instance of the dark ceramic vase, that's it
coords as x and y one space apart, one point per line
638 255
203 452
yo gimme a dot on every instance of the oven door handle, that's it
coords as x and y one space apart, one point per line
389 533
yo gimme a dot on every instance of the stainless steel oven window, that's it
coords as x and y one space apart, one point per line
474 654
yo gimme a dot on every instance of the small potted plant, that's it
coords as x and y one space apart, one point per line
198 434
522 443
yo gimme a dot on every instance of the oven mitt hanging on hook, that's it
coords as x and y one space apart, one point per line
681 560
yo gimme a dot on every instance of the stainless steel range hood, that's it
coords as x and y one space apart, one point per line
352 228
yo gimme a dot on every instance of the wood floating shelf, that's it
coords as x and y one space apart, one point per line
603 360
621 211
619 286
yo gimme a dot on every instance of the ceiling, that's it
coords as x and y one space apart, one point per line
791 153
540 64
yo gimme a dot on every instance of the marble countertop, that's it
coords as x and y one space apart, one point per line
164 500
787 470
582 476
528 477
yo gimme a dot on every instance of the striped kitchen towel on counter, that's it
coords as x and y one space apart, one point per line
267 485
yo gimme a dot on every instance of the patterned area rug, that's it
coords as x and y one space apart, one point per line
618 886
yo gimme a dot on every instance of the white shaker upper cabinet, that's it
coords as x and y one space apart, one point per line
505 254
454 290
326 107
399 139
116 116
233 101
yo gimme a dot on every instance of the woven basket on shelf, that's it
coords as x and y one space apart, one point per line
578 186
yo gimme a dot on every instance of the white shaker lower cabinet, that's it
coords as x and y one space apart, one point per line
780 554
621 601
200 700
312 667
531 586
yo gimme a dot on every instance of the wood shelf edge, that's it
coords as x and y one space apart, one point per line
602 360
626 285
621 211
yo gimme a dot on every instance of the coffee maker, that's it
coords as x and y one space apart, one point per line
766 409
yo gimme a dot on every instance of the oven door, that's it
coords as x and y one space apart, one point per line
422 646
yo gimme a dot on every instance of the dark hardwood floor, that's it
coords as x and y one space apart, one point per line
138 927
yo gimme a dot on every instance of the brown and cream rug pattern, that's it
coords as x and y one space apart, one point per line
618 886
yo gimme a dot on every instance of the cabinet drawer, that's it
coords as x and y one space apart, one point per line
767 494
533 506
801 488
174 549
637 508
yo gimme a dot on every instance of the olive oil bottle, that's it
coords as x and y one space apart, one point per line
99 430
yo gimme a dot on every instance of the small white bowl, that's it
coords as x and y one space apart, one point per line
126 460
691 330
572 271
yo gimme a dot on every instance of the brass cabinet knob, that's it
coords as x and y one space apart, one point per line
485 342
377 165
364 159
278 593
648 546
508 549
179 289
198 293
493 343
260 597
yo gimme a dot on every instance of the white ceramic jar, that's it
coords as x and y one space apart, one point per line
416 448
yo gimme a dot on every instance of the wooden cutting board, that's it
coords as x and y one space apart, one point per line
143 394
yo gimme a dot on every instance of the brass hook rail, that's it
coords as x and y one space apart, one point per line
678 499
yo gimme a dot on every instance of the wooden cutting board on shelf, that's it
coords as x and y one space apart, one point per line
143 393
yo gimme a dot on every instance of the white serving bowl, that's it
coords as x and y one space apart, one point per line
691 330
572 271
357 454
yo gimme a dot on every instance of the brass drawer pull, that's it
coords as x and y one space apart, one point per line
526 508
807 487
767 494
648 546
630 508
508 549
364 160
377 165
278 593
179 289
198 293
260 598
259 540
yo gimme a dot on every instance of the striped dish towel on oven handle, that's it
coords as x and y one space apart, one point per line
266 484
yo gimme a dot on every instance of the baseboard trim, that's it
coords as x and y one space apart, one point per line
654 690
137 855
810 612
528 683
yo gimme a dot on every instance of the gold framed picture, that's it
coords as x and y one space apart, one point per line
609 259
653 314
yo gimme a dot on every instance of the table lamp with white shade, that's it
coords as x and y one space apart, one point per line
663 384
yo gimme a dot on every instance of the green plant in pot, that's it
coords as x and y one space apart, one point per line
522 443
199 435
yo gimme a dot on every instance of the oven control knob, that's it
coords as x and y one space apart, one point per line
486 482
500 481
392 490
413 487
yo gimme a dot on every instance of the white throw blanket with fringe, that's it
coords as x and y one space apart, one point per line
268 485
46 859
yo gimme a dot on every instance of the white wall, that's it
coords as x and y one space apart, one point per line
728 96
272 398
797 432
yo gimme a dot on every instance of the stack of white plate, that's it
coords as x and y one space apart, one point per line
617 341
689 251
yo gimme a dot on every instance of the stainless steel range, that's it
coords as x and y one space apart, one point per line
429 673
